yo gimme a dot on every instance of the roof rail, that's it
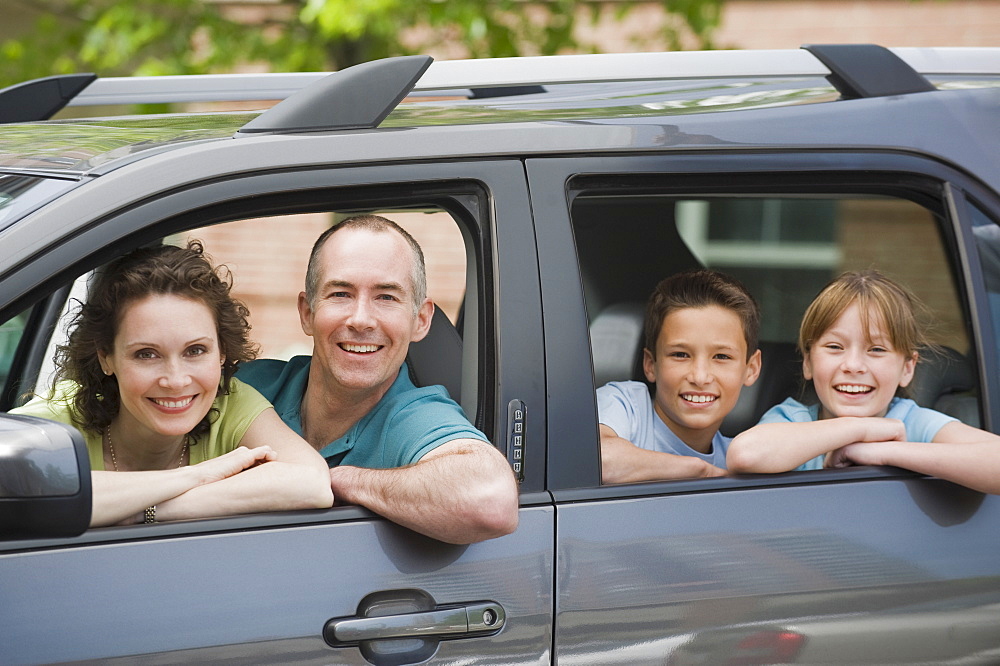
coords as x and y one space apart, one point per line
358 97
868 70
461 76
40 99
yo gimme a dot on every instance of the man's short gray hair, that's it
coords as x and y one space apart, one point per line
376 224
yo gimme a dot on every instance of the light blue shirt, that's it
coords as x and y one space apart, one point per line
627 408
406 424
921 424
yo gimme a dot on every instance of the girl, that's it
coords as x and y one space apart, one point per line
147 377
859 342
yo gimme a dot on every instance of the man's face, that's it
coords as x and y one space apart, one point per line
364 316
700 366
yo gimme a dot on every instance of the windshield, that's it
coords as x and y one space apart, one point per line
19 195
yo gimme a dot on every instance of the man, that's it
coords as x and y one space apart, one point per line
404 452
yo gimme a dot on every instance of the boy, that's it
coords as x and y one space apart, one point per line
700 349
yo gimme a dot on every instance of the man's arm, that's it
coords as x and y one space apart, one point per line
461 492
624 462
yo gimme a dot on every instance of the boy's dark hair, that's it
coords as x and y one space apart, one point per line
698 289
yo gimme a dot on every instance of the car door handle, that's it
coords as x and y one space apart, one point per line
475 619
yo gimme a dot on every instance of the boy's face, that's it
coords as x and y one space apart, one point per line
699 368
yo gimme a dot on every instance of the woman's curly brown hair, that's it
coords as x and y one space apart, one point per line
166 269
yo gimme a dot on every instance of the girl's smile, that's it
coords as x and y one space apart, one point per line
856 372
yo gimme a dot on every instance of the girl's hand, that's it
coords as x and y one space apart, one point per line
233 463
859 453
881 429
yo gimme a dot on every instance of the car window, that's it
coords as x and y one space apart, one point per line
267 257
784 248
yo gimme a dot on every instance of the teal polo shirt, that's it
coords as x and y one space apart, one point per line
406 424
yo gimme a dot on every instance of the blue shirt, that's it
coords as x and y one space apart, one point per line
405 425
921 424
627 408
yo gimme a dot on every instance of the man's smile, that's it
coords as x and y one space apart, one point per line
359 348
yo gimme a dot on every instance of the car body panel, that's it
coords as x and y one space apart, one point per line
631 569
247 588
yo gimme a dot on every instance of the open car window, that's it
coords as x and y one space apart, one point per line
784 247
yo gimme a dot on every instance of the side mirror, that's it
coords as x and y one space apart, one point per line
45 486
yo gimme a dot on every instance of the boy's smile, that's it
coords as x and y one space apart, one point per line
699 368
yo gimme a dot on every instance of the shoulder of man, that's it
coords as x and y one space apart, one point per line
272 376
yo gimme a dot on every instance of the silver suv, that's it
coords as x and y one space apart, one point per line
573 185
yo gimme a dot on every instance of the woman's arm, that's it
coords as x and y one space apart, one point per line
959 453
296 478
781 447
123 496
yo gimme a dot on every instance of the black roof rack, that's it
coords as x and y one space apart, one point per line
40 99
868 70
359 97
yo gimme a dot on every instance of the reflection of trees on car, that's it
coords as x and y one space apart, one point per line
155 37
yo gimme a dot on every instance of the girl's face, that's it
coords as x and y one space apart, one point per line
167 359
856 372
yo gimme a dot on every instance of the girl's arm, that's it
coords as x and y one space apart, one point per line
959 453
296 477
123 496
781 447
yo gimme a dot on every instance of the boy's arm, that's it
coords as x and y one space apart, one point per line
624 462
781 447
959 453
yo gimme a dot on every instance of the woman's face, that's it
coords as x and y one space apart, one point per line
856 372
167 359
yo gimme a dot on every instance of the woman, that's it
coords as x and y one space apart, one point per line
147 377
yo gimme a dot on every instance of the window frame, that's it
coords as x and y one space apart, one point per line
487 198
923 180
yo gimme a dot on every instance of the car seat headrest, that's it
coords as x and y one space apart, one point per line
437 359
944 380
616 340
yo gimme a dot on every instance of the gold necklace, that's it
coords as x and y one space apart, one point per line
114 461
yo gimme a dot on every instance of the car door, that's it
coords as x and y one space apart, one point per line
855 565
265 588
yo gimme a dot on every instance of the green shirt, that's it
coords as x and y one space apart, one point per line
236 412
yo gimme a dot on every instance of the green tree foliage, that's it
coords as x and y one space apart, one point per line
148 37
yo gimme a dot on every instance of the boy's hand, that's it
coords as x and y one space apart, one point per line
711 470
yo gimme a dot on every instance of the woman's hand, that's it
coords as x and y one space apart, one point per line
232 463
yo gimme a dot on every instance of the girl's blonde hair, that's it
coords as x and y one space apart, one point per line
900 314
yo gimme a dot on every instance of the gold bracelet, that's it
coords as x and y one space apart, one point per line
150 514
